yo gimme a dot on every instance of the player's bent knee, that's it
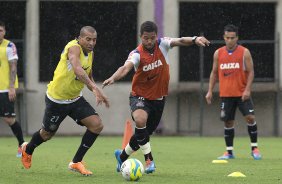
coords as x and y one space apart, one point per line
9 121
46 135
96 127
140 122
250 119
99 127
229 124
140 118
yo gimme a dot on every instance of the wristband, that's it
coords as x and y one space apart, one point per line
194 39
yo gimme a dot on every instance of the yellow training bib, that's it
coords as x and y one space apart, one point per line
5 68
65 85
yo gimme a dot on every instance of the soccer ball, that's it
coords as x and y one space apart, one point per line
132 169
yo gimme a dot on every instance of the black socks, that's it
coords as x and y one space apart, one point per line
87 141
35 141
252 130
17 131
229 137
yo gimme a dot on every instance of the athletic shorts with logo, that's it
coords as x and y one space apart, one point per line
55 113
7 108
154 108
230 104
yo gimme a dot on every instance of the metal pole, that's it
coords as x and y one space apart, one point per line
201 90
276 124
178 113
24 103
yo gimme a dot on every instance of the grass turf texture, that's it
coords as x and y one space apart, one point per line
178 160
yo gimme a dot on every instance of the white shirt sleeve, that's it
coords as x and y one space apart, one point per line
165 43
165 46
134 57
12 52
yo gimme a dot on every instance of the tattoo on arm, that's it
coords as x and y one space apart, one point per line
84 78
13 72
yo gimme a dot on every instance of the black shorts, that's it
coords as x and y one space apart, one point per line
55 113
7 108
230 104
154 108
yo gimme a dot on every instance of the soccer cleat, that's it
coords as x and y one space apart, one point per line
226 156
150 167
19 153
79 167
26 158
119 162
256 154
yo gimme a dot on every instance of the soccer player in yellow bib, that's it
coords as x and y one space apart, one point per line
8 85
64 98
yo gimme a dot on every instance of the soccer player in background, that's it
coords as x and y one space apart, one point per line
8 85
149 87
233 66
64 98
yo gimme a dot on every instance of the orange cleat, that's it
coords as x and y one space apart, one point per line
26 158
79 167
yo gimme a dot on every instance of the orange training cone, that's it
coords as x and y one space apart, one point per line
128 132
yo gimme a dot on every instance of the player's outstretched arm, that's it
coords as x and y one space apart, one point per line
187 41
119 74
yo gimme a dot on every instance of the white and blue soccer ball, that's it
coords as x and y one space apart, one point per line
132 169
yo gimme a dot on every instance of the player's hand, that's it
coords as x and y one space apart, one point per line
12 94
209 97
101 98
202 41
246 95
108 82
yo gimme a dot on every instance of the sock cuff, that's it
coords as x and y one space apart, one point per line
140 128
229 148
146 148
255 123
225 128
254 144
91 133
14 124
128 150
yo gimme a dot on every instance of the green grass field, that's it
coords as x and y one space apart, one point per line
178 160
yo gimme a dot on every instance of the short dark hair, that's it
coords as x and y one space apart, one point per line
231 28
87 29
148 26
2 24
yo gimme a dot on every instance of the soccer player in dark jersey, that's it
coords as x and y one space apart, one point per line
149 87
64 98
233 66
8 85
